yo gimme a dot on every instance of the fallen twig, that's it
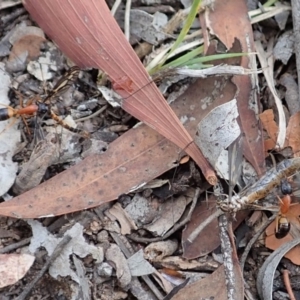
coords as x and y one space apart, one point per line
53 257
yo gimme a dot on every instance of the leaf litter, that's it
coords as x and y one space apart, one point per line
165 158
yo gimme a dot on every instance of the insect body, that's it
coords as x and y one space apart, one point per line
9 112
283 225
40 108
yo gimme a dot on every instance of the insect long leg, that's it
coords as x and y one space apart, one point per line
68 127
64 83
38 133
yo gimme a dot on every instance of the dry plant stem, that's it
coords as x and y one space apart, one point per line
203 164
227 252
254 239
15 246
268 13
95 114
115 7
267 64
166 9
287 283
66 239
248 294
127 20
263 186
177 226
296 24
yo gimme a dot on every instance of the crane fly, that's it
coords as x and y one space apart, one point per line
43 107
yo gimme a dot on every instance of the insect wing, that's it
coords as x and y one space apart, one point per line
64 83
38 132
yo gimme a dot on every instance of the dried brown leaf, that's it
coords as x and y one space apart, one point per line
30 44
231 28
209 239
268 123
13 267
292 134
211 287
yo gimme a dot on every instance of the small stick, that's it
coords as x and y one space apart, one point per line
254 239
287 283
15 246
53 257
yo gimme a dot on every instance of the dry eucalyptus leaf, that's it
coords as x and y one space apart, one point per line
240 39
68 148
22 31
283 17
25 49
85 291
269 124
218 130
14 267
9 3
33 171
155 183
46 64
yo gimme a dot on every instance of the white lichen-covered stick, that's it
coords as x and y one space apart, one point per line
263 186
